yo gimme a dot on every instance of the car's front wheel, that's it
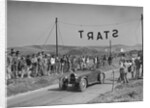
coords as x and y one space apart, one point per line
83 84
62 85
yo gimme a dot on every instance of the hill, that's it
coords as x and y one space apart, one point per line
75 50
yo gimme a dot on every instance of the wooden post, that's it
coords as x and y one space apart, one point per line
142 40
110 47
113 80
142 25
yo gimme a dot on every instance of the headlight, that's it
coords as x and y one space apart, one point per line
76 76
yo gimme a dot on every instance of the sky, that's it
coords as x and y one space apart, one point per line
33 23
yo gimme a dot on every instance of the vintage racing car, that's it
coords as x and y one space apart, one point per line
81 79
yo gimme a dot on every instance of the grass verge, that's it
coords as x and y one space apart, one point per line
133 91
29 84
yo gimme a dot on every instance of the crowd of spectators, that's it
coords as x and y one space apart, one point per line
41 64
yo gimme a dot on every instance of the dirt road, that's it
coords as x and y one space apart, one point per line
53 96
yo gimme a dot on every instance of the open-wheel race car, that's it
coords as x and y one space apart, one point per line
81 79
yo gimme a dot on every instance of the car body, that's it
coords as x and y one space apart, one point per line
81 79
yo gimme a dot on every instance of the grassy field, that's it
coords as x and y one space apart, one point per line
133 91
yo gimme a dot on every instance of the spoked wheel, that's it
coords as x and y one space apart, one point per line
100 79
83 84
62 85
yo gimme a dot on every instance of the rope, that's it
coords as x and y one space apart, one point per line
41 34
81 25
119 23
49 34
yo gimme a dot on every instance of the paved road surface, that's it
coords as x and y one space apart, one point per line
53 96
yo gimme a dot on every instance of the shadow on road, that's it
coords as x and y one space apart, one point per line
69 89
75 89
106 82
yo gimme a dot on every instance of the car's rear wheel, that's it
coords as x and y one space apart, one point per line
83 84
99 79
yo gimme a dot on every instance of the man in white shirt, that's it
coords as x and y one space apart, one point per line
52 60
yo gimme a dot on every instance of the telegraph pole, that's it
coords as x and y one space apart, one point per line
56 38
142 41
142 26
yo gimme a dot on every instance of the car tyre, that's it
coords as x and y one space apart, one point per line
82 85
62 85
99 79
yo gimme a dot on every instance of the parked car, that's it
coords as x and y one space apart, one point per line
81 79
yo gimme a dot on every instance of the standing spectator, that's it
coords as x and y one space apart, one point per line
110 60
14 65
18 60
126 67
83 63
40 65
57 65
29 66
98 62
132 68
53 61
87 62
69 64
9 66
49 64
45 65
62 62
123 71
120 79
95 61
34 65
23 66
104 60
74 63
141 65
137 67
